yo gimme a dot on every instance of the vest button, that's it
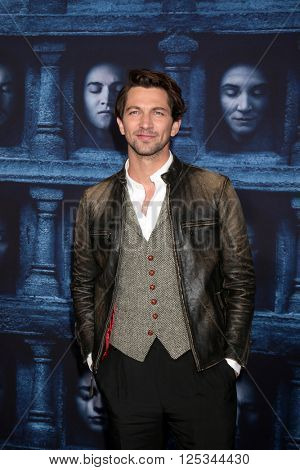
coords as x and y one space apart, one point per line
151 272
155 316
153 301
150 332
150 258
152 286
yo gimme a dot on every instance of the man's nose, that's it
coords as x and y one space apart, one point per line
146 121
243 102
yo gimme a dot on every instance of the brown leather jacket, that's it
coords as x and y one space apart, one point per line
212 253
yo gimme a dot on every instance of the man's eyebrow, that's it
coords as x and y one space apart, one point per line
160 107
132 106
138 107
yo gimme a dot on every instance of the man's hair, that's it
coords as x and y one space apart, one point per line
148 79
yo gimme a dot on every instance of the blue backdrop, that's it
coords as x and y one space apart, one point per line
51 149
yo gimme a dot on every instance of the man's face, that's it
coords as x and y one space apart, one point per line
7 94
101 87
244 97
147 123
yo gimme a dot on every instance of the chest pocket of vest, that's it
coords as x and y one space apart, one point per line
202 235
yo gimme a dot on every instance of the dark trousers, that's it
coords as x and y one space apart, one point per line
144 398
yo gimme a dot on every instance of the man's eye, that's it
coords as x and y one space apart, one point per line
95 88
133 112
159 113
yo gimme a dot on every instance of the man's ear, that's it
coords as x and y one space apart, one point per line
120 124
175 127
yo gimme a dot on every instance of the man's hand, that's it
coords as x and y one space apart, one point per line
90 361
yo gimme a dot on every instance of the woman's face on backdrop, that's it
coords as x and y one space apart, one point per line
90 410
101 87
244 98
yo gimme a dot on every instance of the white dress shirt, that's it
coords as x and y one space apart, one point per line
137 195
148 221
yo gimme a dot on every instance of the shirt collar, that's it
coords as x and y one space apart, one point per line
155 177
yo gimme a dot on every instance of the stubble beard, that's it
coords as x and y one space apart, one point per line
150 152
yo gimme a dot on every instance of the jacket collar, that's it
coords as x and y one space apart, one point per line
174 171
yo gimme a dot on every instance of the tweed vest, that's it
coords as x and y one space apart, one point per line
148 303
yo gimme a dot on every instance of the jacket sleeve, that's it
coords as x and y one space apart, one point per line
84 272
238 275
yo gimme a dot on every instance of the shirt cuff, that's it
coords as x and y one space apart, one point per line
234 365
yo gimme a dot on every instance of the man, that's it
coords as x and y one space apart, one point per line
163 283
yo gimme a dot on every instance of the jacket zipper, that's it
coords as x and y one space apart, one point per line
202 223
180 287
95 368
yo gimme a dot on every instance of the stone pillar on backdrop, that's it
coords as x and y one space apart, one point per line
285 257
42 278
292 438
295 158
48 142
177 50
294 300
40 428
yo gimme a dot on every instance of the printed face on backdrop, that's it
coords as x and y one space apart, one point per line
247 402
8 96
244 98
90 410
147 123
101 87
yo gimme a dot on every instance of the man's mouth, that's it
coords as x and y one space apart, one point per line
145 136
